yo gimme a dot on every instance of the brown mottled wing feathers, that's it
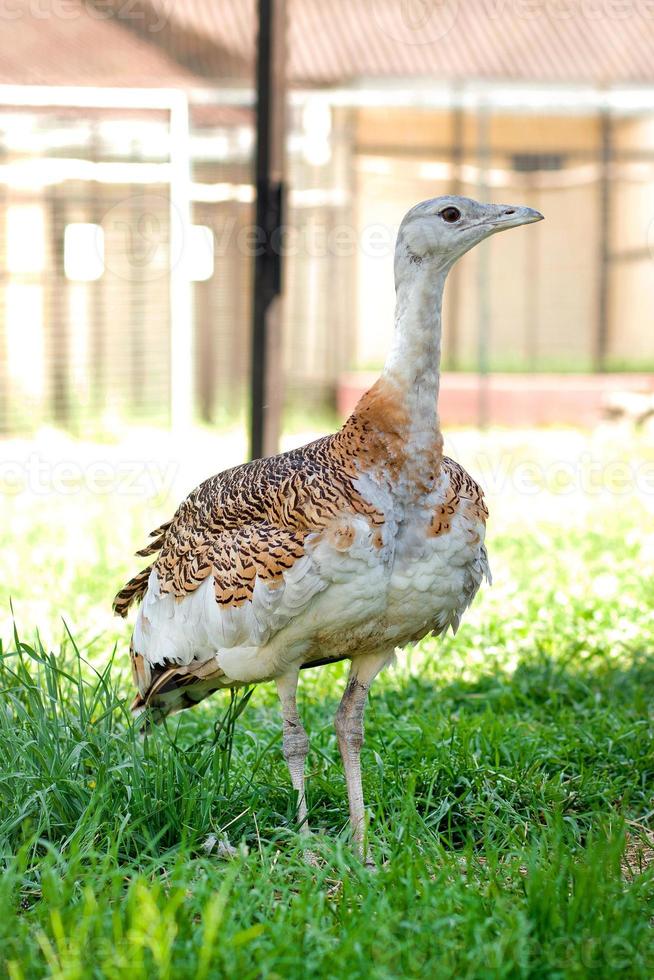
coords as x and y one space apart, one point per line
252 521
462 489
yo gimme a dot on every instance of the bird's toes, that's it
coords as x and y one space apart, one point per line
365 856
219 847
311 858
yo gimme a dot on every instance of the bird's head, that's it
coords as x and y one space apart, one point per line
438 232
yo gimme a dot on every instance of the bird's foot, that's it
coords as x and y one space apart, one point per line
311 858
366 858
364 854
219 847
309 855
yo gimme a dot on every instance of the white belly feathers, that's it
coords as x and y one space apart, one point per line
341 580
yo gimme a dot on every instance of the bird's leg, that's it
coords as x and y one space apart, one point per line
349 731
295 742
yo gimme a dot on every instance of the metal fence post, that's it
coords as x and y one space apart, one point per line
181 287
603 284
265 395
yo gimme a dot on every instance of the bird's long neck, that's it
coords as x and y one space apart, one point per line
413 364
395 425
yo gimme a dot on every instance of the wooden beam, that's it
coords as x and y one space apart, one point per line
180 285
57 315
603 284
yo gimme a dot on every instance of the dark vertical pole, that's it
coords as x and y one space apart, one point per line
265 365
602 334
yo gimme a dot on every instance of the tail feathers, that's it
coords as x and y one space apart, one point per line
158 536
133 591
135 588
164 690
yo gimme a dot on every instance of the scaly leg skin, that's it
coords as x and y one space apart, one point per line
349 731
295 744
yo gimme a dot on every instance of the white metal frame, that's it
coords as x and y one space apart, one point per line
428 93
176 103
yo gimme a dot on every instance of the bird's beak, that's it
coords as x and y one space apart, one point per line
511 216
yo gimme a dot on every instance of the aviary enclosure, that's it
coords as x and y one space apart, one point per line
198 212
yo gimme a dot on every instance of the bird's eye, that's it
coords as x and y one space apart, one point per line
450 215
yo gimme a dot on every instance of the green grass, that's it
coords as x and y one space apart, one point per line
509 775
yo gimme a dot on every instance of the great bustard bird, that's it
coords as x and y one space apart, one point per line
347 548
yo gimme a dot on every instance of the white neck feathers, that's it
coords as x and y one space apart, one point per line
413 363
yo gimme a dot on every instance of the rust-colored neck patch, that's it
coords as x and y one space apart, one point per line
378 430
382 434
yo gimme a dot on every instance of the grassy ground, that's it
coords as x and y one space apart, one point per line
509 771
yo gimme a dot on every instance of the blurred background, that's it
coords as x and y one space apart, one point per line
128 236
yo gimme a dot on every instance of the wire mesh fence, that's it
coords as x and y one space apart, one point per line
90 248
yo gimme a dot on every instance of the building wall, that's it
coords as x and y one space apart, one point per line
544 280
319 269
631 293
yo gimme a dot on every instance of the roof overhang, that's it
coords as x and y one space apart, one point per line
427 93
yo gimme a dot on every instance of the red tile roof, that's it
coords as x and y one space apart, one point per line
54 43
68 42
190 42
584 41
